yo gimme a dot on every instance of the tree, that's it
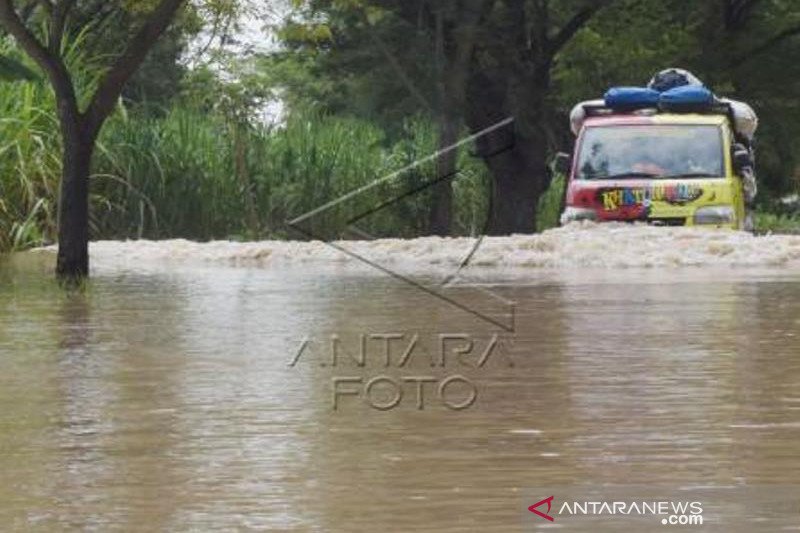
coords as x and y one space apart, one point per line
747 49
80 125
453 55
408 63
451 29
491 59
511 75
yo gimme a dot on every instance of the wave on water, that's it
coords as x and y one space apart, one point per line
578 245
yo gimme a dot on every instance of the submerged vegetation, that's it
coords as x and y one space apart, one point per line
197 174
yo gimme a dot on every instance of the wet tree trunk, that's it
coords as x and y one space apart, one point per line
516 156
511 77
73 210
520 178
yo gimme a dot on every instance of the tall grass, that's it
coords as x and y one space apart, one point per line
550 204
29 165
30 149
197 175
201 174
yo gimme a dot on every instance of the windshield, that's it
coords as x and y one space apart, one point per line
676 151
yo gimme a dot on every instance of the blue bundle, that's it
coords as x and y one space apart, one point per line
687 98
681 99
631 98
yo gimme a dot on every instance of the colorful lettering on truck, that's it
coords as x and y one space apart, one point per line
665 168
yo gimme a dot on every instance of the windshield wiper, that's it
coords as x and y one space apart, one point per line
628 176
687 175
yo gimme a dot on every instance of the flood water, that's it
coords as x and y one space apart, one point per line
197 396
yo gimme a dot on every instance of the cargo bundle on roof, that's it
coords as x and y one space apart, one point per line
672 91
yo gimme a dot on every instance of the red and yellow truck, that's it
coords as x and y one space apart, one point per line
672 169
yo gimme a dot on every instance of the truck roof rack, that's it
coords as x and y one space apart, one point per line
718 108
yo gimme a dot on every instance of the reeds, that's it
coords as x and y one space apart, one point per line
196 175
29 165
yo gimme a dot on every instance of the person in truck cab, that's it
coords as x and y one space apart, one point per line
597 163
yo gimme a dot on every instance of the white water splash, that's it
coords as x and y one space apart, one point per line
579 245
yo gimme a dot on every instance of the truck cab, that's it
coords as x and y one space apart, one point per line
660 168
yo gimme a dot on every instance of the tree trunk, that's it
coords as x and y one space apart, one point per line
516 156
442 210
520 177
442 207
73 212
240 149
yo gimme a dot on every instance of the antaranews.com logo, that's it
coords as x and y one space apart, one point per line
683 513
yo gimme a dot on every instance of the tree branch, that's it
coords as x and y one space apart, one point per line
473 12
29 43
541 22
767 45
58 21
736 13
27 10
573 26
49 62
110 88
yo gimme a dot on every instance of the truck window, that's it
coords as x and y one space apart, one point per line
642 151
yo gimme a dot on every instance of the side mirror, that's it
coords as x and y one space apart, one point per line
741 158
562 163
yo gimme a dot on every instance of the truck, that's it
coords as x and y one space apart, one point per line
661 168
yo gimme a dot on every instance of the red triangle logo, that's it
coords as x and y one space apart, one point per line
534 510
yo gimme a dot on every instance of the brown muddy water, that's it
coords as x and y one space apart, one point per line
199 395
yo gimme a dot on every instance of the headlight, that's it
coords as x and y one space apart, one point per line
572 214
718 214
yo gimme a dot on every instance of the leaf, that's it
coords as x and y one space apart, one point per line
13 70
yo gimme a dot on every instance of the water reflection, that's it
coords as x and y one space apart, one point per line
166 400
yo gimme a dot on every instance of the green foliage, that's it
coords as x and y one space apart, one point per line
550 204
29 165
356 58
204 166
189 174
14 70
743 50
13 65
777 223
623 45
745 54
